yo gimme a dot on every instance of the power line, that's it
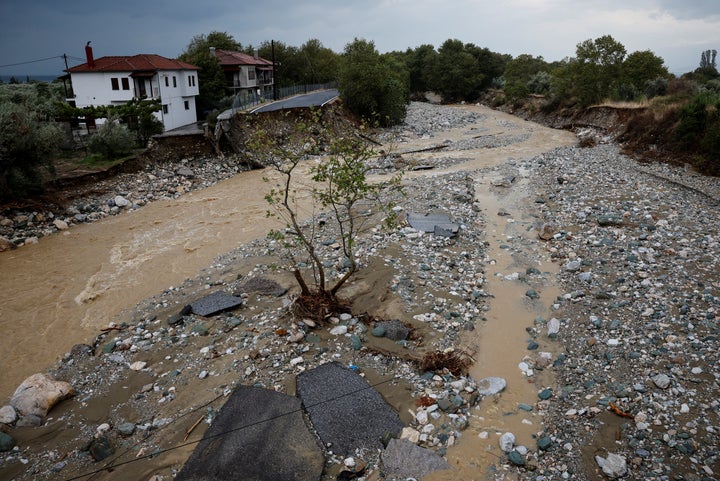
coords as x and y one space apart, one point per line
221 434
31 61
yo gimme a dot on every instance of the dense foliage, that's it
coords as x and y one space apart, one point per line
28 145
370 86
311 63
211 78
699 130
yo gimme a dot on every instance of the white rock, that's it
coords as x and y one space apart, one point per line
614 466
339 330
138 365
421 416
121 201
344 317
103 428
458 385
297 336
684 408
507 441
39 393
661 380
296 361
60 224
8 415
553 326
491 385
410 434
573 266
349 462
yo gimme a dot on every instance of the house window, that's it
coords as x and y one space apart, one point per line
251 75
191 80
174 81
125 83
165 109
167 82
187 105
115 84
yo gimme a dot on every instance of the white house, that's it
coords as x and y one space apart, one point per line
117 80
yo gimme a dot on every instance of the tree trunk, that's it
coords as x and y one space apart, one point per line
303 286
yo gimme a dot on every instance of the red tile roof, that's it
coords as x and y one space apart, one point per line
141 62
228 58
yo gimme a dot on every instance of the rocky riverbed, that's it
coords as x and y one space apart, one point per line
622 366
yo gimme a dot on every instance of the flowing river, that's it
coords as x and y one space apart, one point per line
66 288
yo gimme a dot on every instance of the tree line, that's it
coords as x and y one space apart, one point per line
378 87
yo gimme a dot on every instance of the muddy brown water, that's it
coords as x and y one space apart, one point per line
63 290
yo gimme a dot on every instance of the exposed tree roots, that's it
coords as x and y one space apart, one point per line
320 305
455 362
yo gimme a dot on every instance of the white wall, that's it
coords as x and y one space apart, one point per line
175 94
96 89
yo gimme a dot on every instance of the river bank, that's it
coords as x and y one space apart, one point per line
619 297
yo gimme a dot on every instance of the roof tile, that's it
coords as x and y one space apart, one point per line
133 63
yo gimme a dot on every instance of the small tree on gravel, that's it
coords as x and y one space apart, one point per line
337 184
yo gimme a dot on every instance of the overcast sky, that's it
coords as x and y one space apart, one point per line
676 30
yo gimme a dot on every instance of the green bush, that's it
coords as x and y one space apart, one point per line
27 147
656 87
112 140
699 130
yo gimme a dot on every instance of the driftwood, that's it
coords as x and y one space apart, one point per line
426 149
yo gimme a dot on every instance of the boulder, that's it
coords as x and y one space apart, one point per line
39 393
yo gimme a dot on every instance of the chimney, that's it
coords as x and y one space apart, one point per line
212 51
89 55
255 52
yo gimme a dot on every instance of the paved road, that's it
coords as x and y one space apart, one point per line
311 99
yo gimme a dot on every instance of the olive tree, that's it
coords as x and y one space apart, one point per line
27 148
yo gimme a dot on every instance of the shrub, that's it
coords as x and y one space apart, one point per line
540 83
27 148
656 87
112 140
699 130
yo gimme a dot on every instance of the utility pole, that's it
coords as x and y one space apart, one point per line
274 73
66 67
